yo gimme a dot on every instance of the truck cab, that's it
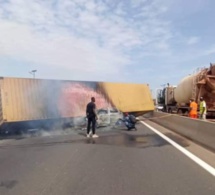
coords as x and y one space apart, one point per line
165 100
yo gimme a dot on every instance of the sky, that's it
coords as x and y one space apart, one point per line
135 41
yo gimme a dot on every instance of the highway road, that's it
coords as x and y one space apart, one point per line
117 163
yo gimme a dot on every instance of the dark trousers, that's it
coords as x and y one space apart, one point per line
93 121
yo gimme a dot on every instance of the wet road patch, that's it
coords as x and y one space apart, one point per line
128 140
8 184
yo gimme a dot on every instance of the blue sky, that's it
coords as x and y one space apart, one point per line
139 41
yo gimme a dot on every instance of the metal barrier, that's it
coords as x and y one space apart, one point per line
197 130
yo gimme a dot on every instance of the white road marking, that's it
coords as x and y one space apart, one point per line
196 159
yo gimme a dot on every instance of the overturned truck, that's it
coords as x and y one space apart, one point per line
36 101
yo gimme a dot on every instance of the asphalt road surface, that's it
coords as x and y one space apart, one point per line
117 163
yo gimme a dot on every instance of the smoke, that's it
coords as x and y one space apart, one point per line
75 96
50 107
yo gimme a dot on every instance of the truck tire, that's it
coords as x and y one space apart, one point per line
180 112
169 110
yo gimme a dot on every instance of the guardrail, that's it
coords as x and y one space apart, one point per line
197 130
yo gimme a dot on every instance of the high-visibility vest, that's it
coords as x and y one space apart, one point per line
202 104
193 106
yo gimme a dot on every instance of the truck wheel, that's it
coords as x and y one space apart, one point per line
170 110
186 113
180 112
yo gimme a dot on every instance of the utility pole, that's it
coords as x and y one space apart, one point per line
33 72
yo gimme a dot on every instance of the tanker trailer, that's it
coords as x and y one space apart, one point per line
183 93
201 84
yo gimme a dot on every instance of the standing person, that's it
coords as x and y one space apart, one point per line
203 109
92 117
193 109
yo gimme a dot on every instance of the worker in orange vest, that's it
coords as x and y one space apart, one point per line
193 109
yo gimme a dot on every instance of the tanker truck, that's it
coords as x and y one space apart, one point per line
175 99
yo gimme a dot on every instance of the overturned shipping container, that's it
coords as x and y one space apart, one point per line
39 99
